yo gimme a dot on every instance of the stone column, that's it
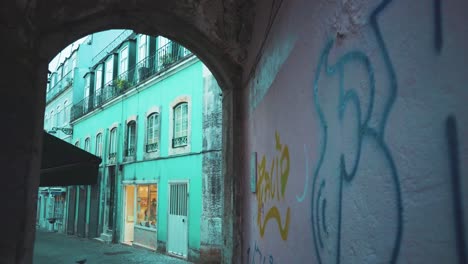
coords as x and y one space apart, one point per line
232 167
22 101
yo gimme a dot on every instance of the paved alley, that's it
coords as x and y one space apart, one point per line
56 248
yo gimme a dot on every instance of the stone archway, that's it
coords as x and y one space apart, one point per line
216 32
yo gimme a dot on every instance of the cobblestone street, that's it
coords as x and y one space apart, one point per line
56 248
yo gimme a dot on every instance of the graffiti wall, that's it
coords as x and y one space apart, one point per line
357 127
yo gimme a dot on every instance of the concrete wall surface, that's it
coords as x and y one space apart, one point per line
356 111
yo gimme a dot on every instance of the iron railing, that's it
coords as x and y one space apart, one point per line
179 142
152 147
129 152
61 85
165 57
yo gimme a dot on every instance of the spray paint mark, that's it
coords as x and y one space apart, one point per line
302 197
438 41
366 132
271 186
452 141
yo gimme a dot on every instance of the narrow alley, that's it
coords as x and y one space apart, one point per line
57 248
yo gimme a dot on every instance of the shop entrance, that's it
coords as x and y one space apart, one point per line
177 243
129 221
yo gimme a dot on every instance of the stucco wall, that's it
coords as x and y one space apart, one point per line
351 111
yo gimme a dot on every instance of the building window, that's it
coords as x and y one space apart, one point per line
147 201
77 143
130 139
152 133
87 92
113 143
123 60
180 125
99 145
87 145
142 47
98 78
52 119
66 112
108 71
65 67
58 120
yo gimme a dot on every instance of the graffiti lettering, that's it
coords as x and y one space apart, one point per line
271 187
328 247
257 255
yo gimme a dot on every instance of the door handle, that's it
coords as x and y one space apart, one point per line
183 220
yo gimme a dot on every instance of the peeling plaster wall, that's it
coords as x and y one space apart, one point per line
212 178
352 111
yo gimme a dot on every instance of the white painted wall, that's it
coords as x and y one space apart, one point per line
349 104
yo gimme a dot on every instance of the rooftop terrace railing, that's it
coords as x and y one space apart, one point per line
61 85
166 57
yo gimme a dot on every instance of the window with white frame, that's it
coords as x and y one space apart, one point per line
113 143
66 112
87 144
123 60
152 133
73 61
58 120
99 145
180 123
65 67
109 70
142 48
98 79
52 118
87 92
130 139
60 73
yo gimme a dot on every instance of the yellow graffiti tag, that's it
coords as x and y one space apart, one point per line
271 187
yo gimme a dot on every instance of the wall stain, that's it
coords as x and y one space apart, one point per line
271 188
366 132
438 38
459 227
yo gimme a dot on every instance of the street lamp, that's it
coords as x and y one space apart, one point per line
65 130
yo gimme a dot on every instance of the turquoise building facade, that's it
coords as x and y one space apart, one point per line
152 111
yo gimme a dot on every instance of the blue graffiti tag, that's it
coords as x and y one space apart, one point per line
348 99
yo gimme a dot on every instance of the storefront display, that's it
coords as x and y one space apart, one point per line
147 205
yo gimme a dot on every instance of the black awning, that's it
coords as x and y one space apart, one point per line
64 164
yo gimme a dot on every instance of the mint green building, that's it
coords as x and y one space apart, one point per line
152 111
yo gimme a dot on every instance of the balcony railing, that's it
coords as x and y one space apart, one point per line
165 57
112 155
130 152
61 85
152 147
179 142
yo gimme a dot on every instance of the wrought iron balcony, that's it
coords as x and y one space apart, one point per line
166 57
112 155
179 142
61 85
130 152
153 147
